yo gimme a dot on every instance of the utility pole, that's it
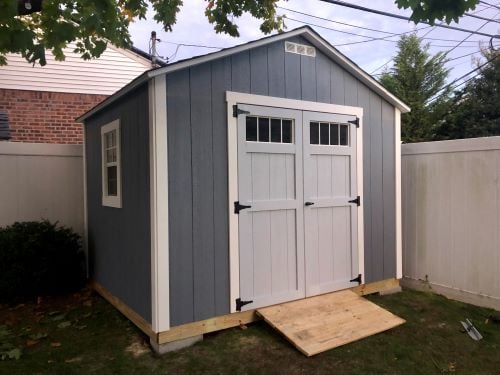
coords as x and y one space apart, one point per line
152 49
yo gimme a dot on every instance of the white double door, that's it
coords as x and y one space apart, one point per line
297 228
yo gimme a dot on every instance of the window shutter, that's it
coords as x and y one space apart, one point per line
4 126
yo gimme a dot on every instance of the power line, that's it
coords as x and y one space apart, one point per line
387 14
461 77
370 39
491 5
360 27
481 18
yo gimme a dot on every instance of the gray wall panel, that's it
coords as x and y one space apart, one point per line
180 198
203 191
240 72
276 69
389 189
119 238
259 80
308 78
323 87
197 122
221 82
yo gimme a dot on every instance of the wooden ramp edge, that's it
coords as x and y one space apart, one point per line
314 325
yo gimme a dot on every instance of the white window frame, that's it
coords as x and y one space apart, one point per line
111 200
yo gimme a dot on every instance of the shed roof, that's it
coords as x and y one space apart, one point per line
306 32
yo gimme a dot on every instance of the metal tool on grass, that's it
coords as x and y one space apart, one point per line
471 330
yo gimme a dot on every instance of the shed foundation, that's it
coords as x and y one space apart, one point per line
174 345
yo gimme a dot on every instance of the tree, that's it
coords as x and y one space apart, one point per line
475 109
30 27
416 77
432 10
52 24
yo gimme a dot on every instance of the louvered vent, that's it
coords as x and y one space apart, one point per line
300 49
4 126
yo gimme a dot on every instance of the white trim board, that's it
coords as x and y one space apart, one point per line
397 166
309 34
234 98
158 170
456 145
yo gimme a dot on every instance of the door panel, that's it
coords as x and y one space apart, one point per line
330 222
290 249
270 181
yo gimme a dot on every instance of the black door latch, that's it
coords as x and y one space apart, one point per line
240 303
309 203
238 207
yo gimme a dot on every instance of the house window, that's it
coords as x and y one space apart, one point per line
111 165
267 129
327 133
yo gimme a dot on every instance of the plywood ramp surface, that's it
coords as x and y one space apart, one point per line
324 322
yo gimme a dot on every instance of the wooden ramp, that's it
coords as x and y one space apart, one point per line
324 322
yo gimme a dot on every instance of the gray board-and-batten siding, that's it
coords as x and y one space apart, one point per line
197 165
119 238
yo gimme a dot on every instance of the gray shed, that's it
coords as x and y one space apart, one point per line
255 175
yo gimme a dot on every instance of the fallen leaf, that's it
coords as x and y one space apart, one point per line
55 344
14 354
73 360
30 342
86 315
87 303
38 336
64 324
53 313
59 317
80 327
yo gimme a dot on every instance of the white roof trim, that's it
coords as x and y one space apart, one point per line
305 32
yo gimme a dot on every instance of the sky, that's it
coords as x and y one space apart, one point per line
192 27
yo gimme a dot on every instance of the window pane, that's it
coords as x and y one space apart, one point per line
334 134
314 133
263 129
324 134
287 131
344 129
111 155
112 181
275 130
110 139
251 128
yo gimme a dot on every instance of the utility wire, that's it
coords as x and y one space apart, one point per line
387 14
362 27
491 5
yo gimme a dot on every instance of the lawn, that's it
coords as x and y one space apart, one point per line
84 334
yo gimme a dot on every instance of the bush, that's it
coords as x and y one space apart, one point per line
39 258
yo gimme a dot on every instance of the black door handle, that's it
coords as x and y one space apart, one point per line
309 203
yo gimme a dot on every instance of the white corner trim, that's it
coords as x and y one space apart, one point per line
232 172
271 101
158 171
85 213
108 200
397 158
359 177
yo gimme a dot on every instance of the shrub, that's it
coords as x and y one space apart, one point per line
39 258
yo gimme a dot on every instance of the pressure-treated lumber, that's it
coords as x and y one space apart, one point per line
135 318
314 325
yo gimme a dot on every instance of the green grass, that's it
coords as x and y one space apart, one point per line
84 334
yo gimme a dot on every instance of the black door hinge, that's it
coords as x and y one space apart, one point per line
238 207
356 279
240 303
357 201
355 122
237 111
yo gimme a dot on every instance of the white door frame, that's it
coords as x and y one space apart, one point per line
234 98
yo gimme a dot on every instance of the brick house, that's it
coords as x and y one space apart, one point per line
40 104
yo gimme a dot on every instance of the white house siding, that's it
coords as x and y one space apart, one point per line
451 218
113 70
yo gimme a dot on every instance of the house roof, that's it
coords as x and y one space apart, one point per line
306 32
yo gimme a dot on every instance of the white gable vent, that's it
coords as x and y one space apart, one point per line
300 49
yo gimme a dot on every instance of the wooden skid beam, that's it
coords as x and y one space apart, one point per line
233 320
134 317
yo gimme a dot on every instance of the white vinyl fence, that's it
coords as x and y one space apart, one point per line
41 181
451 218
